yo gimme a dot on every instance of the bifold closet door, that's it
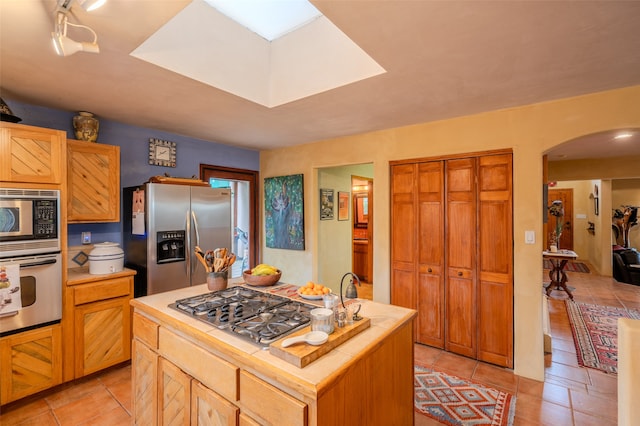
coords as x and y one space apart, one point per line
461 254
495 260
403 235
430 292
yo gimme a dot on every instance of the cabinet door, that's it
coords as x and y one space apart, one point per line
102 335
461 256
209 408
30 154
174 393
30 362
430 232
93 182
144 377
495 268
245 420
360 260
403 235
271 405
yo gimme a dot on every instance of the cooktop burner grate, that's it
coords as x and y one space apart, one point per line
256 316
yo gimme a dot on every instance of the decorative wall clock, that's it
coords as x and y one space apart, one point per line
162 153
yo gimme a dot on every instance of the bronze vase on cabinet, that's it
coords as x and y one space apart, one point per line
86 126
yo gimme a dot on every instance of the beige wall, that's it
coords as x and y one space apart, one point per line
529 131
334 236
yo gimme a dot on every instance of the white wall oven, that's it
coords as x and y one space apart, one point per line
30 259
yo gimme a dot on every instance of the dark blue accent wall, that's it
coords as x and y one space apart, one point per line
134 154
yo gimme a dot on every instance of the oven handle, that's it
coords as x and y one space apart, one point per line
9 314
40 263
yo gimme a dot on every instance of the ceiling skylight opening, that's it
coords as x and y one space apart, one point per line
270 19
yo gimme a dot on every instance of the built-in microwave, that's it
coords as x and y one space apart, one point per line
29 221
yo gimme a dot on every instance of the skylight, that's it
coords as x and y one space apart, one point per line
310 57
270 19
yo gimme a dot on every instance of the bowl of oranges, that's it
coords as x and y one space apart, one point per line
313 291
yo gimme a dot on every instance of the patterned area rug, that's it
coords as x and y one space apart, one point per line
595 332
570 266
454 401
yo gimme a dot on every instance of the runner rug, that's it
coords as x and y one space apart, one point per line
570 266
455 401
595 332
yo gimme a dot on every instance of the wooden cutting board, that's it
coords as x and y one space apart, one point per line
303 354
177 181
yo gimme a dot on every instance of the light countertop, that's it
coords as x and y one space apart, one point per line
82 275
385 319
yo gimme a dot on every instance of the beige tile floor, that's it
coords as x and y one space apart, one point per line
570 395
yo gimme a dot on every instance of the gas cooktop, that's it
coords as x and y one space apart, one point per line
254 315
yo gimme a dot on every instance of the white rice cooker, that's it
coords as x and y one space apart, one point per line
106 258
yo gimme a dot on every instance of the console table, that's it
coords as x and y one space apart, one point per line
557 274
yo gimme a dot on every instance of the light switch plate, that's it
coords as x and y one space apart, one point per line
529 237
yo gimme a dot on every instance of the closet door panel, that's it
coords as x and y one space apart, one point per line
403 235
430 297
495 237
460 240
461 310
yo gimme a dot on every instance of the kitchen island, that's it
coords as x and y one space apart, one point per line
188 372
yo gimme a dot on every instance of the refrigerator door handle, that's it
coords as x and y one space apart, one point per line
195 227
188 248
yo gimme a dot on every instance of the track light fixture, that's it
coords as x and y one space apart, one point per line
65 46
88 5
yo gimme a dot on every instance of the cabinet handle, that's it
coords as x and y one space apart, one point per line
429 270
459 273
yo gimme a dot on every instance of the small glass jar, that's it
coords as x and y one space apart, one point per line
322 319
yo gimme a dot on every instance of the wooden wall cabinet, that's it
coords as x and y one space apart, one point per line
101 322
361 259
30 362
93 182
452 252
31 154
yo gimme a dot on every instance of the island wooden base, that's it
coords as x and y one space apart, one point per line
184 375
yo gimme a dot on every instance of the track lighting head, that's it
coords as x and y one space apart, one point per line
88 5
63 45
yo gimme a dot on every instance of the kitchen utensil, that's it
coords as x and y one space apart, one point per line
313 338
200 255
218 264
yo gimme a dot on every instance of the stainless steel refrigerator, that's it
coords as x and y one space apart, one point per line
160 233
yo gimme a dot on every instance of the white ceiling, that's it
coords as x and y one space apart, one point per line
443 59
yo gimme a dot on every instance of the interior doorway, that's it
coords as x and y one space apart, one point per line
334 245
244 212
565 195
362 228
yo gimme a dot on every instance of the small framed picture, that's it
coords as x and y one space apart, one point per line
326 204
343 205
